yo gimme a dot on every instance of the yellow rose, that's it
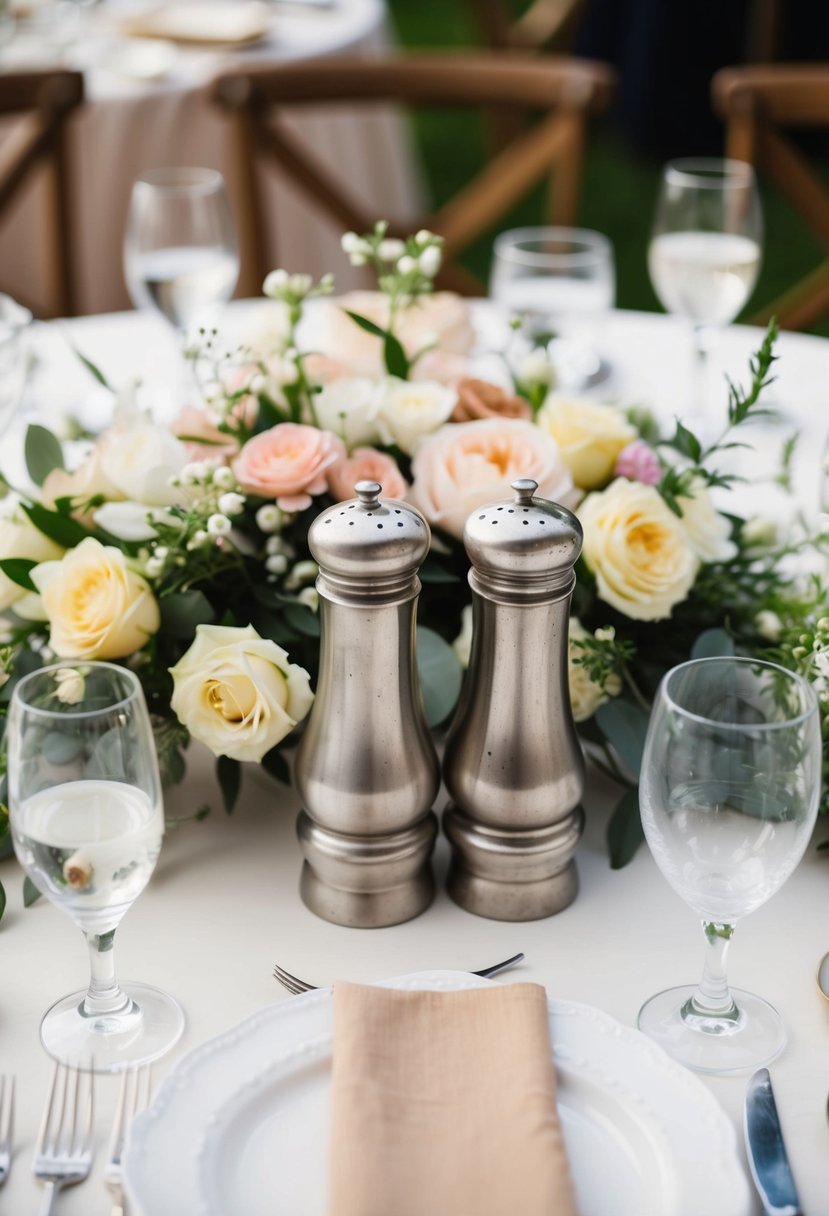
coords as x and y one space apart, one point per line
20 538
238 693
585 695
637 549
97 607
590 437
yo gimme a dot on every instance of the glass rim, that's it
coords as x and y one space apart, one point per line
743 660
181 180
69 665
595 246
709 172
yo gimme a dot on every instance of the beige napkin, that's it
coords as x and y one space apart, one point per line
443 1104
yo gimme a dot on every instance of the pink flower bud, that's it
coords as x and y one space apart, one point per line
639 462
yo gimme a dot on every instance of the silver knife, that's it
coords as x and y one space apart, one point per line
767 1158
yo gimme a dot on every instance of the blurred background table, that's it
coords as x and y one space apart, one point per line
131 124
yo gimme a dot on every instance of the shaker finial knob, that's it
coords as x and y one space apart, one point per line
368 493
524 488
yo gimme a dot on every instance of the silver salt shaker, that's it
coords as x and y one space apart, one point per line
513 764
366 768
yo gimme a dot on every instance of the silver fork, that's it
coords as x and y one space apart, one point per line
6 1125
295 985
64 1147
134 1096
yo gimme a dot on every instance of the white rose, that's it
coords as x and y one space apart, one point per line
97 607
589 435
709 532
238 693
132 521
142 461
410 409
348 407
20 538
585 695
638 550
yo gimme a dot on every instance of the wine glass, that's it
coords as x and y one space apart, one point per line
87 821
706 244
553 277
729 793
180 253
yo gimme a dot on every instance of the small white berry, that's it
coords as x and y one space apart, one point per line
277 563
430 260
391 249
268 518
407 264
218 525
223 478
232 503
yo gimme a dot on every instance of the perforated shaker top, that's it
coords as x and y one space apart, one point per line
369 538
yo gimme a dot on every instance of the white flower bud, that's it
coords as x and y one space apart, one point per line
303 572
430 260
274 544
277 563
77 871
535 368
424 237
232 503
358 259
391 249
769 625
275 284
406 264
223 478
70 685
218 525
605 635
300 284
351 243
154 567
268 518
760 532
309 596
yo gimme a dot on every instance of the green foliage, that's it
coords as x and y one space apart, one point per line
58 526
396 360
183 611
275 764
624 829
441 675
624 726
713 643
19 569
42 452
229 776
30 892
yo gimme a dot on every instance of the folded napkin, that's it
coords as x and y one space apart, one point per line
443 1104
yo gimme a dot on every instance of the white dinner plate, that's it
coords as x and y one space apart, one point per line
240 1127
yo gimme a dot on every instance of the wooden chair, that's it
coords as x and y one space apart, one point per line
565 91
545 25
34 107
758 103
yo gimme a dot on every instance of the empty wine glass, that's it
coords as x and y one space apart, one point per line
729 794
705 249
180 254
554 277
87 821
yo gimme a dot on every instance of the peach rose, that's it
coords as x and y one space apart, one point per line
480 399
442 321
201 436
289 463
464 465
366 464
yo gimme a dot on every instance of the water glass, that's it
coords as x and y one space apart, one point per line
729 793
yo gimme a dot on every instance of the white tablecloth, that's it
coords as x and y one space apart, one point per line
127 128
223 905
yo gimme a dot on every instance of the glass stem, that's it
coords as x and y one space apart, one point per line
712 996
103 996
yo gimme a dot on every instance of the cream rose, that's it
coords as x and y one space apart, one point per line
20 538
238 693
589 435
585 694
97 607
409 409
441 321
466 464
637 549
348 407
708 532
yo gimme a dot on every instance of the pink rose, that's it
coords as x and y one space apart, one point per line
366 464
202 437
465 465
289 463
639 462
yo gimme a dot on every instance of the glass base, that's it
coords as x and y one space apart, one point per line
152 1024
748 1038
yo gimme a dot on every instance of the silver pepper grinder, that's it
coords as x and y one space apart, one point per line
513 764
366 768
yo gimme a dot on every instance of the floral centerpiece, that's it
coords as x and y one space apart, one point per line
182 551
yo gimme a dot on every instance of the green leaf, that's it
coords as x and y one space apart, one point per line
432 572
182 611
625 726
364 323
397 363
2 900
63 529
18 570
93 369
302 619
440 675
686 442
275 764
6 846
30 892
43 453
229 775
713 644
624 830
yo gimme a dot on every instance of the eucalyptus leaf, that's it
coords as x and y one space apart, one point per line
229 774
302 619
61 747
2 900
30 892
183 611
713 644
42 452
63 529
624 830
625 727
275 764
440 675
93 369
19 569
397 363
432 572
6 846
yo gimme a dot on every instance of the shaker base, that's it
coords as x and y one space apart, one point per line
512 876
367 882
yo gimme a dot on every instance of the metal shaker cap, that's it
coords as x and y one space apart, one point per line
368 540
523 547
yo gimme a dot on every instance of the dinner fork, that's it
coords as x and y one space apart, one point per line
134 1096
64 1147
296 985
6 1125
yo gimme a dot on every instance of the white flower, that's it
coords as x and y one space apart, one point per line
269 518
535 368
348 407
238 693
429 261
132 521
406 264
198 539
760 532
232 503
154 566
310 597
462 644
768 625
275 284
708 532
277 563
303 572
585 695
410 409
223 478
352 244
390 249
219 525
424 237
142 461
78 871
589 435
70 685
20 538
